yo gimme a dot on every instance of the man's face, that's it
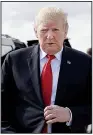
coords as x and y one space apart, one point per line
51 36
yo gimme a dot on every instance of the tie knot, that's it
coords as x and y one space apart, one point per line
50 57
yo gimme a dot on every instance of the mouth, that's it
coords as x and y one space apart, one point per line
50 43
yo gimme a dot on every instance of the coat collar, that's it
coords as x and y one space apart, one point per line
34 68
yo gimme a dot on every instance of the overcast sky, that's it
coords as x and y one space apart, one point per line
17 20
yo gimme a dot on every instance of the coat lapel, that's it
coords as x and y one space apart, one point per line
34 67
63 74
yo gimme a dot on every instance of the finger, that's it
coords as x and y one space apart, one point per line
47 112
52 121
48 108
49 117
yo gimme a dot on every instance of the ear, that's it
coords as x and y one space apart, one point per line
66 31
35 30
65 34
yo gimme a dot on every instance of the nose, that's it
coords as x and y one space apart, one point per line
50 34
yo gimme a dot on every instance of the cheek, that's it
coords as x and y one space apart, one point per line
41 40
58 37
41 37
61 37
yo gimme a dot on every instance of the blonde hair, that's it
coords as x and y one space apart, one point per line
51 13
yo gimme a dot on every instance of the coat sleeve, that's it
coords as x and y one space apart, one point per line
82 115
7 100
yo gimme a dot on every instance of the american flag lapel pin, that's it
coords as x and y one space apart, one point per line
68 62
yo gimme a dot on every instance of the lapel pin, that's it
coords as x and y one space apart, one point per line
68 62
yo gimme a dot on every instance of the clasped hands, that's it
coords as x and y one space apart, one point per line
55 113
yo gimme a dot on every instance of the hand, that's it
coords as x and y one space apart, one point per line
55 113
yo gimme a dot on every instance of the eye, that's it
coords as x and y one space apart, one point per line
44 30
55 29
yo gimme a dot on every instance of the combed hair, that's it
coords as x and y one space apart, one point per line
51 13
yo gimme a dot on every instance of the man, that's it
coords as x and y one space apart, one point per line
46 88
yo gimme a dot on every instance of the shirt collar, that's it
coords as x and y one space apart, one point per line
57 55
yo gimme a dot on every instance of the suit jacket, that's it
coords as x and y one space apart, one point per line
22 102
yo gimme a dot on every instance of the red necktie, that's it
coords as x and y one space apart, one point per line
46 82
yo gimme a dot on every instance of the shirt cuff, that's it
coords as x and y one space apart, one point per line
70 121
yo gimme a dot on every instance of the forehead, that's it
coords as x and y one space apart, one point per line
50 24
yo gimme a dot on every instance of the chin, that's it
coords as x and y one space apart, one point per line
51 51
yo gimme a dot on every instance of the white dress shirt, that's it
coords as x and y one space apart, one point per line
55 65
